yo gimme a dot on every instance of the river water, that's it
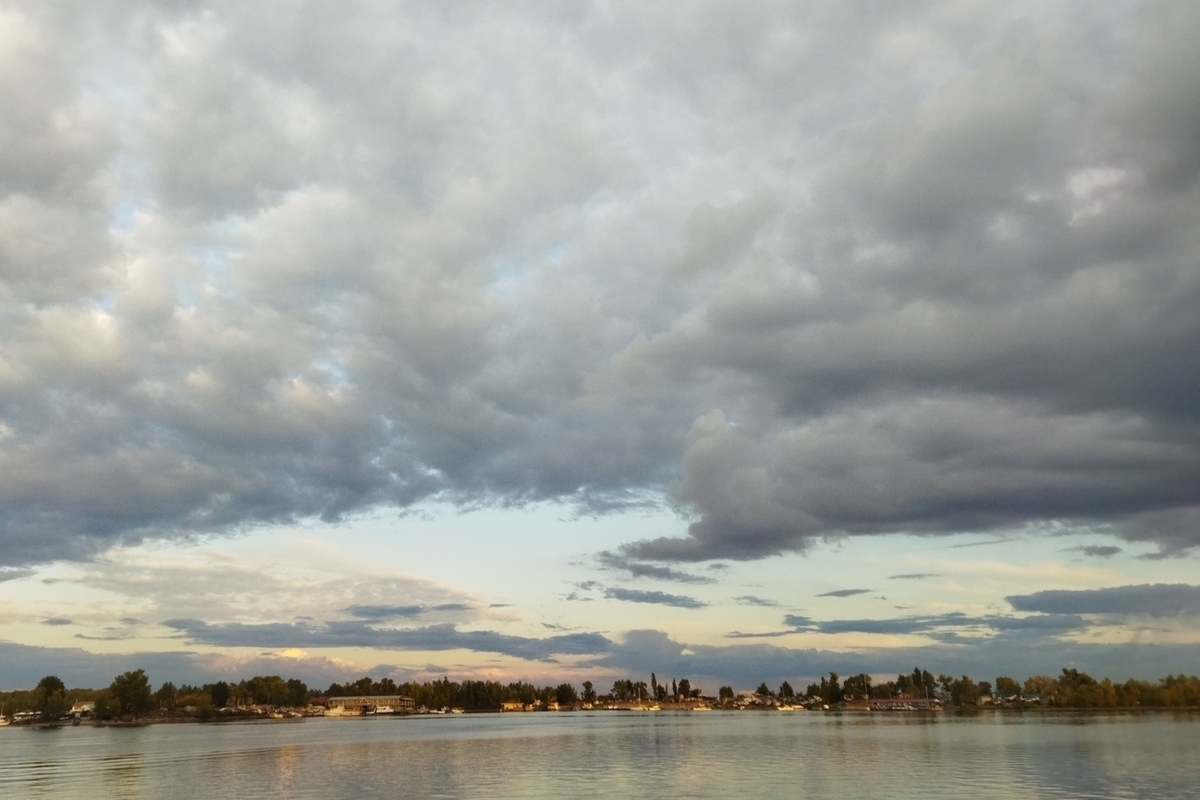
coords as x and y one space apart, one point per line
620 755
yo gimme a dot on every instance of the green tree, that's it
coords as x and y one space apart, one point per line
833 690
1007 687
166 696
858 686
725 693
685 688
297 693
964 692
131 693
50 697
219 692
786 692
1041 685
565 694
105 708
589 693
763 691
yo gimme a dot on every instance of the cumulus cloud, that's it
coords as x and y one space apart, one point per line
140 587
775 266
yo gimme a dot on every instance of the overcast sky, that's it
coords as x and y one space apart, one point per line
729 340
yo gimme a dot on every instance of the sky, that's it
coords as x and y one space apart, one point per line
581 340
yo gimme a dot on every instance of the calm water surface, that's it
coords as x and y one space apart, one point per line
618 755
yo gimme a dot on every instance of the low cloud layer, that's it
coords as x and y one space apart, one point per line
1155 600
947 627
638 653
356 633
795 271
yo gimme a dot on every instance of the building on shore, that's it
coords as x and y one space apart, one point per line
83 709
358 705
906 704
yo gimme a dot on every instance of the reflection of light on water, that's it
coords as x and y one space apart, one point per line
123 774
287 763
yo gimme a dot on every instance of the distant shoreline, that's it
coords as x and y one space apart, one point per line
259 719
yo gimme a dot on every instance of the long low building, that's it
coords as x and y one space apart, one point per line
364 704
906 704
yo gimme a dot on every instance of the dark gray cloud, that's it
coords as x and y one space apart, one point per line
758 635
654 598
357 633
754 600
57 621
1095 550
640 569
913 576
952 626
845 592
249 277
14 573
385 612
1156 600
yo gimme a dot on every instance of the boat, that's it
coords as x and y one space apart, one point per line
458 711
701 708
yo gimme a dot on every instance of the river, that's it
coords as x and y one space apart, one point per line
616 755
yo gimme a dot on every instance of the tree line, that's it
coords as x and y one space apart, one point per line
1070 689
130 694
